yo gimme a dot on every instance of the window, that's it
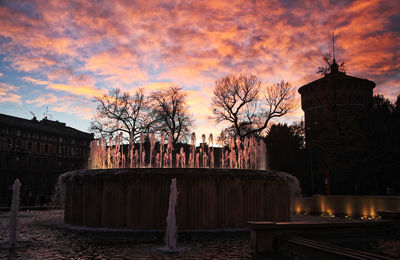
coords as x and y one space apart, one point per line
38 147
29 162
30 146
46 148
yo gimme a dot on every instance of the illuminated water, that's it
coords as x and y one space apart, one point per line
249 154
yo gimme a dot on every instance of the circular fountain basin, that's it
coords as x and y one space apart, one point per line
137 198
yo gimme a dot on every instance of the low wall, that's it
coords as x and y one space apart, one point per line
208 198
354 206
263 235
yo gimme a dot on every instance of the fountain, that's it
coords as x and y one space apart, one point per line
13 243
14 210
171 232
219 188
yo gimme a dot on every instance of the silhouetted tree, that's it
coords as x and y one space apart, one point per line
248 106
120 112
379 169
397 105
225 136
285 146
298 129
170 113
323 70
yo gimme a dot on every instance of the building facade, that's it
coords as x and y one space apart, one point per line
334 109
37 152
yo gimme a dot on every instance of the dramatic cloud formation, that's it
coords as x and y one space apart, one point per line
51 50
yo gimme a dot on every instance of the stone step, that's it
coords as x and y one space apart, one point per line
302 248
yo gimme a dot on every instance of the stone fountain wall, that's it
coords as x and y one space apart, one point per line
208 198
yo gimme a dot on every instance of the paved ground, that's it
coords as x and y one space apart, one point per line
42 236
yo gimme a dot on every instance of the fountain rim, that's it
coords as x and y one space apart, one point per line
172 173
167 171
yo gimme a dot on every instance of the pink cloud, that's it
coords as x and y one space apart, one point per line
120 63
29 64
45 99
7 94
35 81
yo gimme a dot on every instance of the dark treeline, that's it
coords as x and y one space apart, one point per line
378 167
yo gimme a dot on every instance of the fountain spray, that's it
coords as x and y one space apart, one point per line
14 210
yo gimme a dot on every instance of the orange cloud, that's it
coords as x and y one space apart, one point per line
80 85
87 91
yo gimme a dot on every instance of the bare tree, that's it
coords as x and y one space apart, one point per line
248 106
170 112
330 64
225 136
120 112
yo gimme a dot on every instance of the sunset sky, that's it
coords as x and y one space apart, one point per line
62 53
